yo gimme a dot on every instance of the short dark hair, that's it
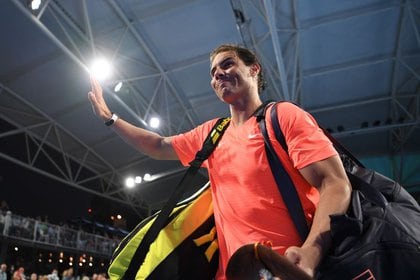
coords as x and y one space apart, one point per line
244 54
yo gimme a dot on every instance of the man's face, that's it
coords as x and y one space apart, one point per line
3 267
231 78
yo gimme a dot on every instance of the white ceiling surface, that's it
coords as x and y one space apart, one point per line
347 62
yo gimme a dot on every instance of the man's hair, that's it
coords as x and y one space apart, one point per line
244 54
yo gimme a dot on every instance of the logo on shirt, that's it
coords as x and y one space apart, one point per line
251 136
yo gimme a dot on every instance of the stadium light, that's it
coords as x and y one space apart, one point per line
154 122
129 182
118 86
147 177
101 69
137 179
35 4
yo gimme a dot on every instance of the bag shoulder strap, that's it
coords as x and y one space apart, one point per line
337 145
208 147
284 182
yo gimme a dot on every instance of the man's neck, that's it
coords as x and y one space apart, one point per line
242 111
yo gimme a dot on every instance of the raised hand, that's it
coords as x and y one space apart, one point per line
97 100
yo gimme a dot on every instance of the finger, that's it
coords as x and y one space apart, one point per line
96 87
92 97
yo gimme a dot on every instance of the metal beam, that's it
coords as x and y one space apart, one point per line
59 179
269 10
185 104
45 120
68 52
340 16
297 72
88 27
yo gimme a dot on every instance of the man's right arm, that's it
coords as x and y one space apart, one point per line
147 142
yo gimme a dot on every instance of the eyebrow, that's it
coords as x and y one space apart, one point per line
220 63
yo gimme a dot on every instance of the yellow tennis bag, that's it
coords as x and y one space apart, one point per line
186 248
178 242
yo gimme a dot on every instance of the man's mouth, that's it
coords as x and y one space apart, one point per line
223 84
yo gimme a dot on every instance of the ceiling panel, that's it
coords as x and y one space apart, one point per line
348 62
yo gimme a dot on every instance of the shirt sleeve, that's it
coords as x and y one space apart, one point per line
187 144
306 141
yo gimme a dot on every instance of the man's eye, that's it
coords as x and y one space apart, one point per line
227 65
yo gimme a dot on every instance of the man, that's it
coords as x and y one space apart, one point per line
247 205
3 271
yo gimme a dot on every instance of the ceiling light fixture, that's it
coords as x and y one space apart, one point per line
118 87
35 4
154 122
100 69
129 182
147 177
137 179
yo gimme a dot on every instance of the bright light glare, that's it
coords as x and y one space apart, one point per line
35 4
100 69
119 217
154 122
137 179
147 177
129 182
118 87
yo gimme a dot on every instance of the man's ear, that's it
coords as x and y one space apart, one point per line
255 69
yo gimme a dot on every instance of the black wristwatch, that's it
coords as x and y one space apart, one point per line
112 120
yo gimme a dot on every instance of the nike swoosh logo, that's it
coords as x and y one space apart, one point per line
250 136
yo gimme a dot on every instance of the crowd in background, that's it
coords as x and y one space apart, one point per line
7 273
65 235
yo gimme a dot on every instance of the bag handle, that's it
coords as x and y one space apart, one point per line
208 147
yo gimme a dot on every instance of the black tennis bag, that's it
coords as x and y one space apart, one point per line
379 236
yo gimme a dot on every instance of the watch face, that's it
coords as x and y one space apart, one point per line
111 120
108 123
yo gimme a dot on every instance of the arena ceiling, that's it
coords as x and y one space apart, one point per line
355 65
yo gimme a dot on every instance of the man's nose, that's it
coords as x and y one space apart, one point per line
219 73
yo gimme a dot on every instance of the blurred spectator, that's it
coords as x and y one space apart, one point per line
101 276
7 223
3 271
34 276
53 275
68 274
19 274
2 220
4 207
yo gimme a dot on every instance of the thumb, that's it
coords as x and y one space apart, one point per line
292 255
